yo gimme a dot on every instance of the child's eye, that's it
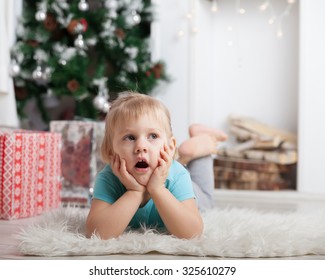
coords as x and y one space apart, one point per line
153 136
129 137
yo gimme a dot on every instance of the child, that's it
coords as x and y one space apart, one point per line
142 184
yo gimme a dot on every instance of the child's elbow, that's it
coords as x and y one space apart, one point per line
195 231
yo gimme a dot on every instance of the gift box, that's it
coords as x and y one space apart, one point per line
30 173
81 141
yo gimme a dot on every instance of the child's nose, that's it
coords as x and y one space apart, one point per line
141 146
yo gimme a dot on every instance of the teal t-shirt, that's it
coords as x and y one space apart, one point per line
109 188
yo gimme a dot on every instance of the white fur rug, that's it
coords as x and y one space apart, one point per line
233 233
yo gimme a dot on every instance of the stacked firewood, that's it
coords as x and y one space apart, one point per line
262 158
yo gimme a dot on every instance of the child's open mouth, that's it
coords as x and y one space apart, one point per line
142 164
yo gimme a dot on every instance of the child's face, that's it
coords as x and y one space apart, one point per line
139 143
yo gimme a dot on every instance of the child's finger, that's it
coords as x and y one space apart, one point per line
161 162
123 168
167 149
164 155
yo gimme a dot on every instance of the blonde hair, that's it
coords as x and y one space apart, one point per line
129 106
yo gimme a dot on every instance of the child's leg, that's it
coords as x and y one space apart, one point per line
199 129
202 175
196 147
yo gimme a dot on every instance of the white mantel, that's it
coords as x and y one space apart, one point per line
210 80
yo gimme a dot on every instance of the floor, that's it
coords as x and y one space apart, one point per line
260 200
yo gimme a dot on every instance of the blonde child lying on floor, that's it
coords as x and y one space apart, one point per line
142 183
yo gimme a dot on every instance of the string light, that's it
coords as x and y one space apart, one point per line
214 6
195 29
264 6
271 20
180 33
191 20
239 8
189 15
279 33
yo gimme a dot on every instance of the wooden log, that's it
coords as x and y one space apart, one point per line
261 129
279 157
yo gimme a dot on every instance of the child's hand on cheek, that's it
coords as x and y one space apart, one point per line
119 169
159 176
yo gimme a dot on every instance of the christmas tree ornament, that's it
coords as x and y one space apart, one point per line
83 5
73 85
14 69
79 28
72 26
50 100
38 74
50 22
46 74
40 15
106 107
32 43
62 61
136 17
100 102
119 32
84 24
79 42
133 18
41 75
20 92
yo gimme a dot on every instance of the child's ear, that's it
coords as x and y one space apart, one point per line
172 145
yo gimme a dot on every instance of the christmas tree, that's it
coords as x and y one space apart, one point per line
82 50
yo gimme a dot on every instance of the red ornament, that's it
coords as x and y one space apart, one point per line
72 26
84 24
50 23
73 85
157 70
119 32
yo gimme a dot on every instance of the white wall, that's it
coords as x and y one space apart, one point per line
257 76
312 97
175 52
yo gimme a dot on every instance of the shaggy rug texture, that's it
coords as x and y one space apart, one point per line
235 233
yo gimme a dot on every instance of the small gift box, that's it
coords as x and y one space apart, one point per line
81 161
30 173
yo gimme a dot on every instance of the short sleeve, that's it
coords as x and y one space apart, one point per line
107 186
179 182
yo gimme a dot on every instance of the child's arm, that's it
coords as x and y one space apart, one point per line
110 220
181 219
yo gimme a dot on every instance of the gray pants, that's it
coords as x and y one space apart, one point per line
202 175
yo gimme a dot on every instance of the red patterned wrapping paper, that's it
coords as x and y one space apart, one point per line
81 161
30 173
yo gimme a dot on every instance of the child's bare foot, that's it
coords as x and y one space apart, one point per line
198 129
196 147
